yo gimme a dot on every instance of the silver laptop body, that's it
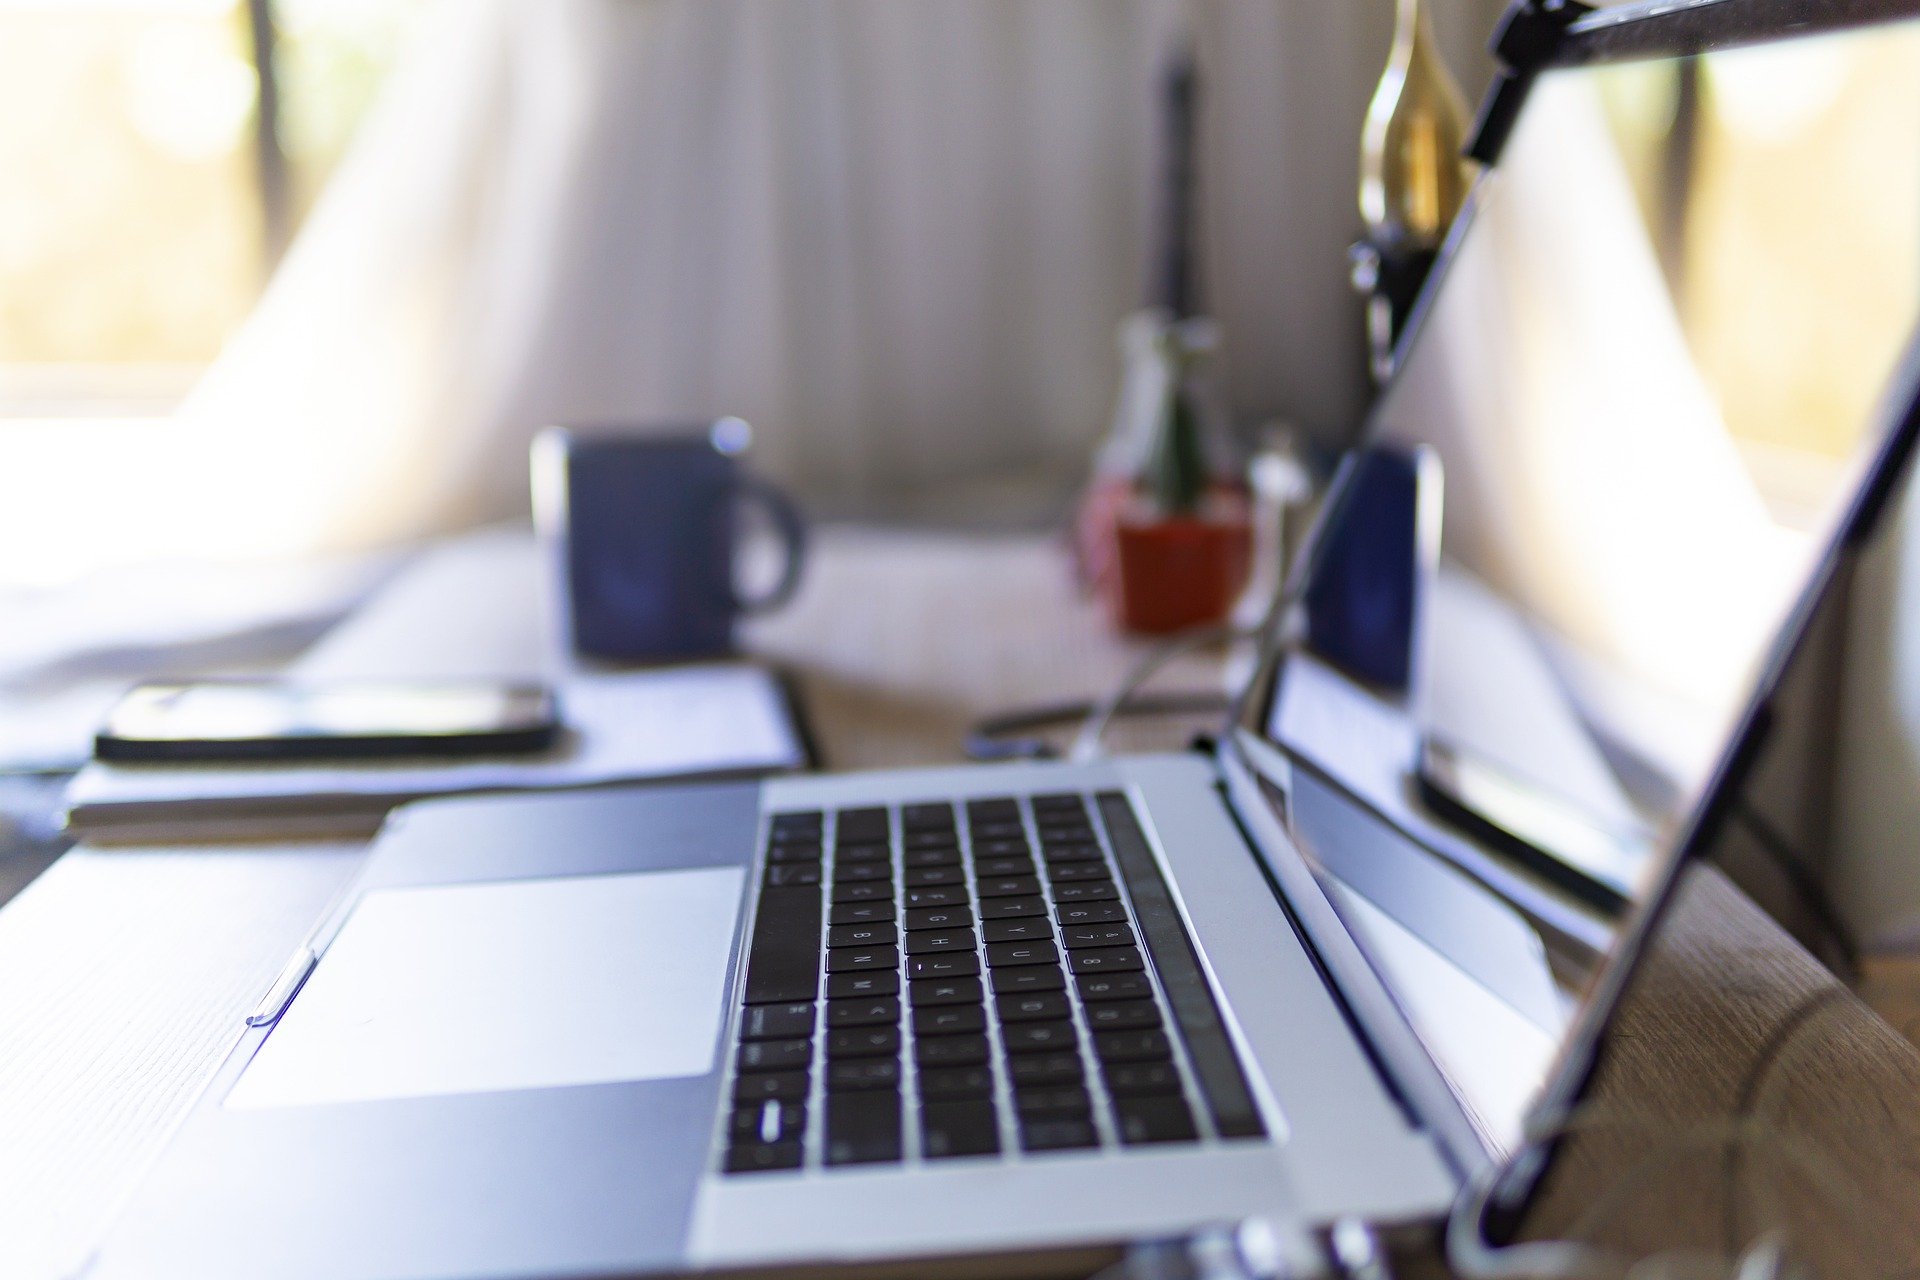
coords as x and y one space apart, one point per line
562 1035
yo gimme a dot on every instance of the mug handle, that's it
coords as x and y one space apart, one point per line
793 535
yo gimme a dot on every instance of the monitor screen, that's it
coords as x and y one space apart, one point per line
1659 353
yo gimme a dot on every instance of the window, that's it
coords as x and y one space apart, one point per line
147 192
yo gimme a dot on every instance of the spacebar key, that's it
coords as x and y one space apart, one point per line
784 962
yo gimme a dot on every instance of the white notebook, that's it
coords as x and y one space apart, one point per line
470 609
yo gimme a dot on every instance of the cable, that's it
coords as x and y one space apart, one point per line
1471 1256
1086 744
1252 1249
1801 880
992 738
1783 1035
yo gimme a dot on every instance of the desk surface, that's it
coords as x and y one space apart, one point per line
128 972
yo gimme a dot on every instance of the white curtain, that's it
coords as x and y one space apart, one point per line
896 235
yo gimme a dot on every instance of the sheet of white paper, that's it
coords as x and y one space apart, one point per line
524 984
471 609
634 725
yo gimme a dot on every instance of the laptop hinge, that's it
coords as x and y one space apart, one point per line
1525 41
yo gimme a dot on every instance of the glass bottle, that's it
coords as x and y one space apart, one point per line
1413 177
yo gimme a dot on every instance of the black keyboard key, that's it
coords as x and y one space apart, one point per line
1072 913
864 891
847 855
1030 1070
932 991
785 1086
988 867
1116 934
863 1128
921 817
1131 1046
783 963
863 1042
1038 1037
950 1051
946 895
993 807
1064 832
871 1012
920 942
776 1055
939 839
1060 1101
1041 1006
794 873
854 872
1105 960
1027 978
959 1128
777 1021
1071 872
1158 1118
1006 887
1003 848
1114 986
931 877
804 820
763 1157
956 1082
939 917
862 935
948 1019
864 1074
918 859
1056 1135
860 912
794 853
862 982
1024 929
768 1122
1085 891
1067 854
943 964
862 824
1123 1015
1058 802
1142 1078
1011 908
846 959
1007 955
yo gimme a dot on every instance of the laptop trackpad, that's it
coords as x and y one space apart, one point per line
522 984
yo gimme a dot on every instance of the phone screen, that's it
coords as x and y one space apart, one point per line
273 719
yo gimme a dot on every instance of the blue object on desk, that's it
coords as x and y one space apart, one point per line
645 526
1363 599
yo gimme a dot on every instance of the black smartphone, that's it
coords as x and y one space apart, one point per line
268 721
1600 862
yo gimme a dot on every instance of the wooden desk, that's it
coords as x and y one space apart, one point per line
127 973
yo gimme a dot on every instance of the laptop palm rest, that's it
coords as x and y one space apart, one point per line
508 985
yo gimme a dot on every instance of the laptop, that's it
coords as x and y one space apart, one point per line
1336 967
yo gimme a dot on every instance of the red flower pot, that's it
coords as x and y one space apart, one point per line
1176 572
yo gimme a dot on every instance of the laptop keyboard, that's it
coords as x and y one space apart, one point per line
989 990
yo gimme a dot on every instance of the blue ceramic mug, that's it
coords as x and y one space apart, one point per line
646 530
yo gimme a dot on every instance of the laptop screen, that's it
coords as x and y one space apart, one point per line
1657 360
